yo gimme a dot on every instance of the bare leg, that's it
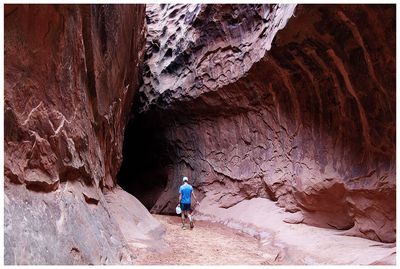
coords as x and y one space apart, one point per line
183 218
189 216
190 220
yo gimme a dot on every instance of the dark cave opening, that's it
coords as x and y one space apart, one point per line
144 170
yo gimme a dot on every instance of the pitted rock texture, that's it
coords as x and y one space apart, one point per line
192 49
71 72
311 125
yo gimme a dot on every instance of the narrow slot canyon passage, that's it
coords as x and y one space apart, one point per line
282 116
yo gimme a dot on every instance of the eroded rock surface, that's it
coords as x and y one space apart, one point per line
309 124
141 230
193 49
60 227
71 72
296 243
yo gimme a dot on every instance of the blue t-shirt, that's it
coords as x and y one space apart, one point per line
186 191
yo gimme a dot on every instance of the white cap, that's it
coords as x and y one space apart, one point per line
185 179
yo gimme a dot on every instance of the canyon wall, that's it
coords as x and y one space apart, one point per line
71 72
291 103
304 116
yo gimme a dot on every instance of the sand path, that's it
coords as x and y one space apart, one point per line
207 244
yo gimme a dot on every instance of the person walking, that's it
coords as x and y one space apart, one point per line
185 195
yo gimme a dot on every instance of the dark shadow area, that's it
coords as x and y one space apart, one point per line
144 168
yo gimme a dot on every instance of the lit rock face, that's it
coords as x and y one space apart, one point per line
70 76
193 49
310 125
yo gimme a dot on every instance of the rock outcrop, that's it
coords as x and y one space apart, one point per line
71 72
308 122
193 49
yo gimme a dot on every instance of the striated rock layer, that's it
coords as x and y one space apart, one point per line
309 124
71 72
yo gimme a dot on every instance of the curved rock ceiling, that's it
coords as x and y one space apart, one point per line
308 121
291 103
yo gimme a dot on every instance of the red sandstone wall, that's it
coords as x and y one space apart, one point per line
310 125
71 72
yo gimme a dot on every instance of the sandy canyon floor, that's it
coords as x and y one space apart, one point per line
207 244
216 244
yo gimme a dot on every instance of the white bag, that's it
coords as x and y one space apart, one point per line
178 209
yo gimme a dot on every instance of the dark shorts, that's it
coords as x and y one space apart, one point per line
185 207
